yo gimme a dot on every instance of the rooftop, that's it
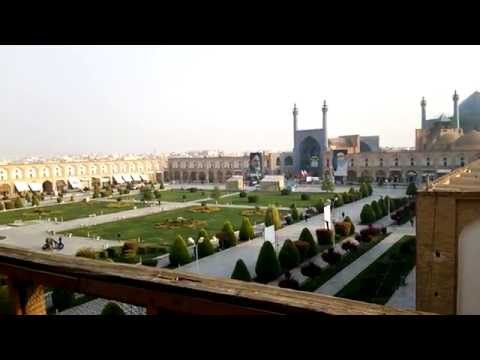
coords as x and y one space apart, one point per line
465 179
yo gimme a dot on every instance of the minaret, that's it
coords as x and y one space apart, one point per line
324 124
423 103
456 116
295 117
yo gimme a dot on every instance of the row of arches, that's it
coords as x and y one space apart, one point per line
378 175
39 172
210 176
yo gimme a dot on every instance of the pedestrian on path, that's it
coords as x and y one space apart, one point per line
343 215
411 221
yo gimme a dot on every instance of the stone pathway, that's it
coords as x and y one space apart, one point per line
343 277
96 306
404 297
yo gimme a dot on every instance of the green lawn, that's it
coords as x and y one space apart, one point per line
68 211
312 284
144 227
266 198
175 195
378 282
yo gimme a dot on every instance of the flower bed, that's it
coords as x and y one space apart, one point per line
313 283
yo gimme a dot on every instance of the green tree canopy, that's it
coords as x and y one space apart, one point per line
367 215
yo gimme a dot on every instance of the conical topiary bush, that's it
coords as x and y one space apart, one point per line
267 266
240 272
289 257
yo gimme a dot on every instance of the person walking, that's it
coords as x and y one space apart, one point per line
411 221
343 215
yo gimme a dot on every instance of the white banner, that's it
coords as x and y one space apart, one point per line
269 234
327 216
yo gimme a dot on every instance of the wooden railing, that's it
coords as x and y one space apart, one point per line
161 291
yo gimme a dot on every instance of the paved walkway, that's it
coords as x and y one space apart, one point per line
343 277
96 306
404 297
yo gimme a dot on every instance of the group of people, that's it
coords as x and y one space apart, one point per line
51 243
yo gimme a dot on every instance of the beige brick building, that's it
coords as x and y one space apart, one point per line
448 243
60 175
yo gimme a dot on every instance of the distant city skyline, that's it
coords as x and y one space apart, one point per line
57 100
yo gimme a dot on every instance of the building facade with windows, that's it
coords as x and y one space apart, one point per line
51 176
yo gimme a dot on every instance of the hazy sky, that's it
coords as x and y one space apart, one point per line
101 99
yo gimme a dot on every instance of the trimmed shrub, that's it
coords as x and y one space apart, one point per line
350 245
60 199
157 194
62 299
19 203
311 270
272 217
367 216
88 253
147 194
295 214
229 238
162 186
352 226
2 206
331 256
369 188
35 201
9 205
289 283
114 251
243 194
304 197
319 206
285 191
339 201
376 209
131 246
343 228
252 199
324 236
307 236
193 189
411 189
179 254
112 309
289 257
240 272
364 190
303 248
267 266
205 248
246 230
383 208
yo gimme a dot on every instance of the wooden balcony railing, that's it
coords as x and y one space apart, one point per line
161 291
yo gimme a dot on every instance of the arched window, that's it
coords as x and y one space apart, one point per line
3 175
288 161
381 162
45 172
428 161
278 161
412 162
31 173
352 163
462 161
444 161
396 161
366 162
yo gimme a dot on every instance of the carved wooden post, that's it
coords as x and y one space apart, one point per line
26 298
